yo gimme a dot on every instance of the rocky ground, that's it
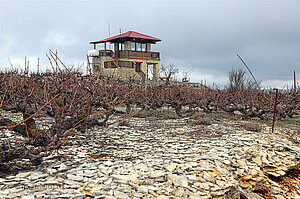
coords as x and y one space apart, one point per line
166 158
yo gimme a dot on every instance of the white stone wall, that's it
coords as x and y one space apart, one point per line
125 73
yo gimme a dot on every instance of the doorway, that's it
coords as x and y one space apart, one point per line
138 67
149 71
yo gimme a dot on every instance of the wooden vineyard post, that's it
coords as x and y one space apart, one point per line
275 105
295 86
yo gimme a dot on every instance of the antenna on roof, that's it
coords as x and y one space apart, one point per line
109 34
108 29
120 31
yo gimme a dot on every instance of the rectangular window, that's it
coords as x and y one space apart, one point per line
144 47
110 64
138 46
133 46
121 46
126 64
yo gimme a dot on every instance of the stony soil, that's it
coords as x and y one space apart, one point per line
165 158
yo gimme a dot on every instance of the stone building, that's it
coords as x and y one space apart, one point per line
131 58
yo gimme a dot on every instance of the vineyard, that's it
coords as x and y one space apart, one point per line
76 103
53 107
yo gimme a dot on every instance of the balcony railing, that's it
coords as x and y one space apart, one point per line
130 54
109 53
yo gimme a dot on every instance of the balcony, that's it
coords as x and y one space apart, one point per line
130 54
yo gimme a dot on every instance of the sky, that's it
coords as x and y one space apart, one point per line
202 36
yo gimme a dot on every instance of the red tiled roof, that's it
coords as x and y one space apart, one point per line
129 34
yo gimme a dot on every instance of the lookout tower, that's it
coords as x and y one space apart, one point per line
131 58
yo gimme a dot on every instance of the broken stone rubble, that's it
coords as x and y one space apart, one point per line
154 159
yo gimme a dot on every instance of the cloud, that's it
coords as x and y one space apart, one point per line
280 84
203 35
8 46
59 39
19 63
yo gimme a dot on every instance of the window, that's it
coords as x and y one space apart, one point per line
121 46
110 64
132 45
137 46
144 47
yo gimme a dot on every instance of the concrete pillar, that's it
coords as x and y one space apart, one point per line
144 68
148 47
96 65
95 62
127 45
156 72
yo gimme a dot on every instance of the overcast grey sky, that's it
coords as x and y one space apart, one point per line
204 36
